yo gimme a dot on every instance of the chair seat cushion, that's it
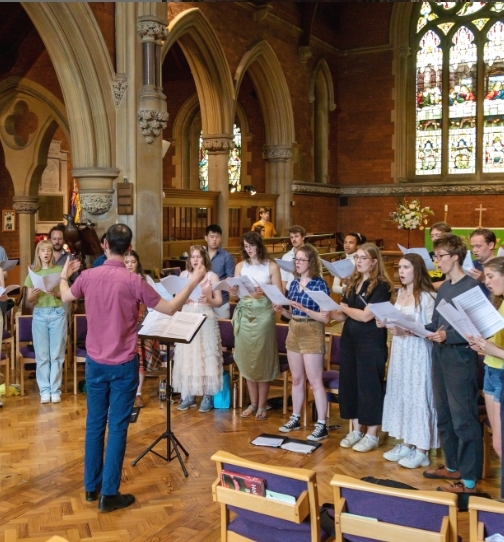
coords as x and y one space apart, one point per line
227 358
2 356
331 379
6 334
284 367
27 352
81 352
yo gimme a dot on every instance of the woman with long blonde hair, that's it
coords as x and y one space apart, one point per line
363 349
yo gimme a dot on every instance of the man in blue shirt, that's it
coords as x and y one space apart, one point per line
483 242
223 264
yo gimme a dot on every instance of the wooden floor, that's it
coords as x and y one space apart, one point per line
41 471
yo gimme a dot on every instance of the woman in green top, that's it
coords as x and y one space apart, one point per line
49 327
493 349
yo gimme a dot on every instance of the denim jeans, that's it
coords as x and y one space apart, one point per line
49 331
111 391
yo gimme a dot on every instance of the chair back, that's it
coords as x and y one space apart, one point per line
261 519
333 351
365 511
227 333
171 271
24 328
232 307
80 328
486 518
282 330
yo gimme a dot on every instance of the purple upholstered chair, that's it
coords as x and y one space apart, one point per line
227 340
486 517
282 331
260 519
367 512
79 344
25 354
7 357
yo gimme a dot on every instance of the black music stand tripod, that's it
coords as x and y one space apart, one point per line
171 439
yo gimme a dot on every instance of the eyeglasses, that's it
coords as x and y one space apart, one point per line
361 258
299 260
437 257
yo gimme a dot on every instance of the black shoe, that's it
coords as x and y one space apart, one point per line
92 495
115 502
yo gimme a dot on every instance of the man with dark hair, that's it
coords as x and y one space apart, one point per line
57 237
269 229
297 236
112 295
223 264
483 242
455 378
101 259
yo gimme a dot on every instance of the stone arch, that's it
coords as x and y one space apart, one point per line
85 73
269 81
214 86
321 68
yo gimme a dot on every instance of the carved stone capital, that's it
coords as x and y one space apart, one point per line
305 52
27 205
315 188
277 153
119 85
96 204
150 30
404 52
218 144
152 123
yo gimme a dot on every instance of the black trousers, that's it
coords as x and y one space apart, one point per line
455 387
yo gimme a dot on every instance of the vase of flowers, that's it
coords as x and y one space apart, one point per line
410 215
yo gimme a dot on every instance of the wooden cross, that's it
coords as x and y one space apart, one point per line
480 209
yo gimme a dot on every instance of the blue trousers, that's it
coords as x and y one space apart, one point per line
111 391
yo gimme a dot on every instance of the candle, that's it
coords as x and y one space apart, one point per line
446 208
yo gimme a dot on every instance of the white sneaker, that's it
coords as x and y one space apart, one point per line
398 452
55 398
45 398
415 459
366 444
352 438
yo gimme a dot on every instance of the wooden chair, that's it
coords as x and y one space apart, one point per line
264 520
25 354
6 355
78 345
171 271
282 331
227 341
486 517
388 514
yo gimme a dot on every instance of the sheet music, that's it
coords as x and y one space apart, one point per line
480 311
245 285
274 294
342 268
8 289
182 325
174 285
286 265
458 319
323 300
47 283
7 265
467 264
422 252
162 291
389 315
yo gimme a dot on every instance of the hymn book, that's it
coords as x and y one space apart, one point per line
181 327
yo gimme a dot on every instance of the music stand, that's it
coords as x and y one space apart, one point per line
171 439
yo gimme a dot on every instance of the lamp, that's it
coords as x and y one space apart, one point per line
250 189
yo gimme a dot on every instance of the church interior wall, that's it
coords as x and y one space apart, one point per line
104 13
315 213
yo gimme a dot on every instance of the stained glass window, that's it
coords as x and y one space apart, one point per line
450 46
234 162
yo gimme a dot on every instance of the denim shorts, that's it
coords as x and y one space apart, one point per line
492 384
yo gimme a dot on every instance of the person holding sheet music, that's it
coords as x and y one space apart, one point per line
483 243
197 366
149 352
455 378
363 349
256 349
49 327
408 410
437 229
493 349
306 340
350 245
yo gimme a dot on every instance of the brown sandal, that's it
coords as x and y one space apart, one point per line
261 414
249 411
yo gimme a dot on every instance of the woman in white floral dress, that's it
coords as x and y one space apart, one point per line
408 411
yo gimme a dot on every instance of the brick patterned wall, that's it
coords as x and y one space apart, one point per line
315 213
104 13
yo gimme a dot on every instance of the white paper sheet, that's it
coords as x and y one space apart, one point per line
323 300
298 447
422 252
342 268
480 311
9 289
174 285
392 316
7 265
286 265
47 283
468 263
268 441
458 319
162 291
245 285
274 294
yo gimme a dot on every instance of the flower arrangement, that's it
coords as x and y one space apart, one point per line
410 215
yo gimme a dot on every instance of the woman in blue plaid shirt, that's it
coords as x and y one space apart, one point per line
306 339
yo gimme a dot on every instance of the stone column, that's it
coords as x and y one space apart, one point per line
26 207
96 189
218 147
278 181
400 168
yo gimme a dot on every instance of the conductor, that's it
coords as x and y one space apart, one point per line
112 295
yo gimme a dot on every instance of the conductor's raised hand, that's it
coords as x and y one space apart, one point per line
197 275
